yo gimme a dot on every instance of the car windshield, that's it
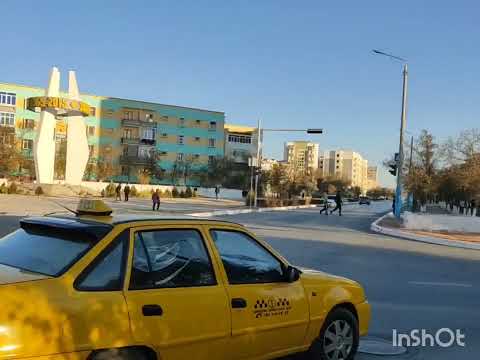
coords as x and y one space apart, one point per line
48 254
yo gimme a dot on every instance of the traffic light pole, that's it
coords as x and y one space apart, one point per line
259 161
398 193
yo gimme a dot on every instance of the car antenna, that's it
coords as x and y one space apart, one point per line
63 206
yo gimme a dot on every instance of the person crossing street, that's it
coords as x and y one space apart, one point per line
338 201
325 203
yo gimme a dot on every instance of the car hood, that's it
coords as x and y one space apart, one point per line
314 279
12 275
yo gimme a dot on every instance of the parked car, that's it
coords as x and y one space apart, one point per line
364 200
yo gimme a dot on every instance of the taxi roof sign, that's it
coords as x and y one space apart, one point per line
93 207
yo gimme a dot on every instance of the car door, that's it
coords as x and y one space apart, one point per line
270 316
175 301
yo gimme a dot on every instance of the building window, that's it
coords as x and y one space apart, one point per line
180 139
211 143
92 111
180 156
27 144
149 134
7 139
91 150
198 122
28 124
211 159
163 153
181 122
165 117
196 156
8 98
149 117
91 130
164 135
125 170
240 139
212 125
197 138
7 119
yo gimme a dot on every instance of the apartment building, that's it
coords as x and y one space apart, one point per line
240 143
301 156
129 134
347 165
372 177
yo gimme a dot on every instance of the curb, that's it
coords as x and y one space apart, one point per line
247 211
420 238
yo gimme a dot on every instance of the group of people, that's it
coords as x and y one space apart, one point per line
126 192
338 203
464 207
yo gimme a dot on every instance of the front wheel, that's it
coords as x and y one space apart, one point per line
338 339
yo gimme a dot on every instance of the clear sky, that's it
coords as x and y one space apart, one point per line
290 63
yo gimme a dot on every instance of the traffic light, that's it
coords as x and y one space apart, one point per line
393 169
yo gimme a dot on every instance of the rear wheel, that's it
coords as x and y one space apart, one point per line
338 339
120 354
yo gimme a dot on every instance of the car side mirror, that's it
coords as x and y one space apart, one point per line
292 274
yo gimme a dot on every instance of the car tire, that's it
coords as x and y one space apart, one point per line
120 354
338 339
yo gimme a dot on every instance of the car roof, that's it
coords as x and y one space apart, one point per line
118 219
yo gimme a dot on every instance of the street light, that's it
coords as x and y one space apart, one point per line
398 192
259 144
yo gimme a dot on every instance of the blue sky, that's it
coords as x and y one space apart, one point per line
290 63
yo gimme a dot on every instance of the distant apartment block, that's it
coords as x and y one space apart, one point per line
372 177
347 165
301 156
129 134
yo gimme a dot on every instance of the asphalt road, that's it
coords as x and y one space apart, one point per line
410 285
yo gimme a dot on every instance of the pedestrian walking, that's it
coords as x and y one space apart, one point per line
338 201
118 191
126 191
473 205
325 203
217 191
156 200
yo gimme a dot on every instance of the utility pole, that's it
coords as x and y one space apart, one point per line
411 156
398 193
259 161
403 124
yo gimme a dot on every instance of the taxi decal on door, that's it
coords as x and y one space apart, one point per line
271 307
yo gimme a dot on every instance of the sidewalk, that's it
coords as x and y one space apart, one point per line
432 233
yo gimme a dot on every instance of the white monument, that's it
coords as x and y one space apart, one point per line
51 106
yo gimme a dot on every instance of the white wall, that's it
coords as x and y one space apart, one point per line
452 223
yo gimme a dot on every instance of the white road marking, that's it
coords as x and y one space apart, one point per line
429 283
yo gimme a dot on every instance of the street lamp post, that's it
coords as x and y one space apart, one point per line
259 153
403 121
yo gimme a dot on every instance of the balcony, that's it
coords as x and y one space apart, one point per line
129 140
151 142
138 123
7 128
135 159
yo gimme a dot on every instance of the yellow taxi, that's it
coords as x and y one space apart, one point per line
96 286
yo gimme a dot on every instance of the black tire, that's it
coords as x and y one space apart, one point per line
336 341
120 354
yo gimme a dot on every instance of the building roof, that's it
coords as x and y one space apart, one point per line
240 129
118 98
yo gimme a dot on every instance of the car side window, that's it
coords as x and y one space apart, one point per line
106 272
170 258
245 260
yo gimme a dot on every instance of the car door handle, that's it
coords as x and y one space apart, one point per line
239 303
152 310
